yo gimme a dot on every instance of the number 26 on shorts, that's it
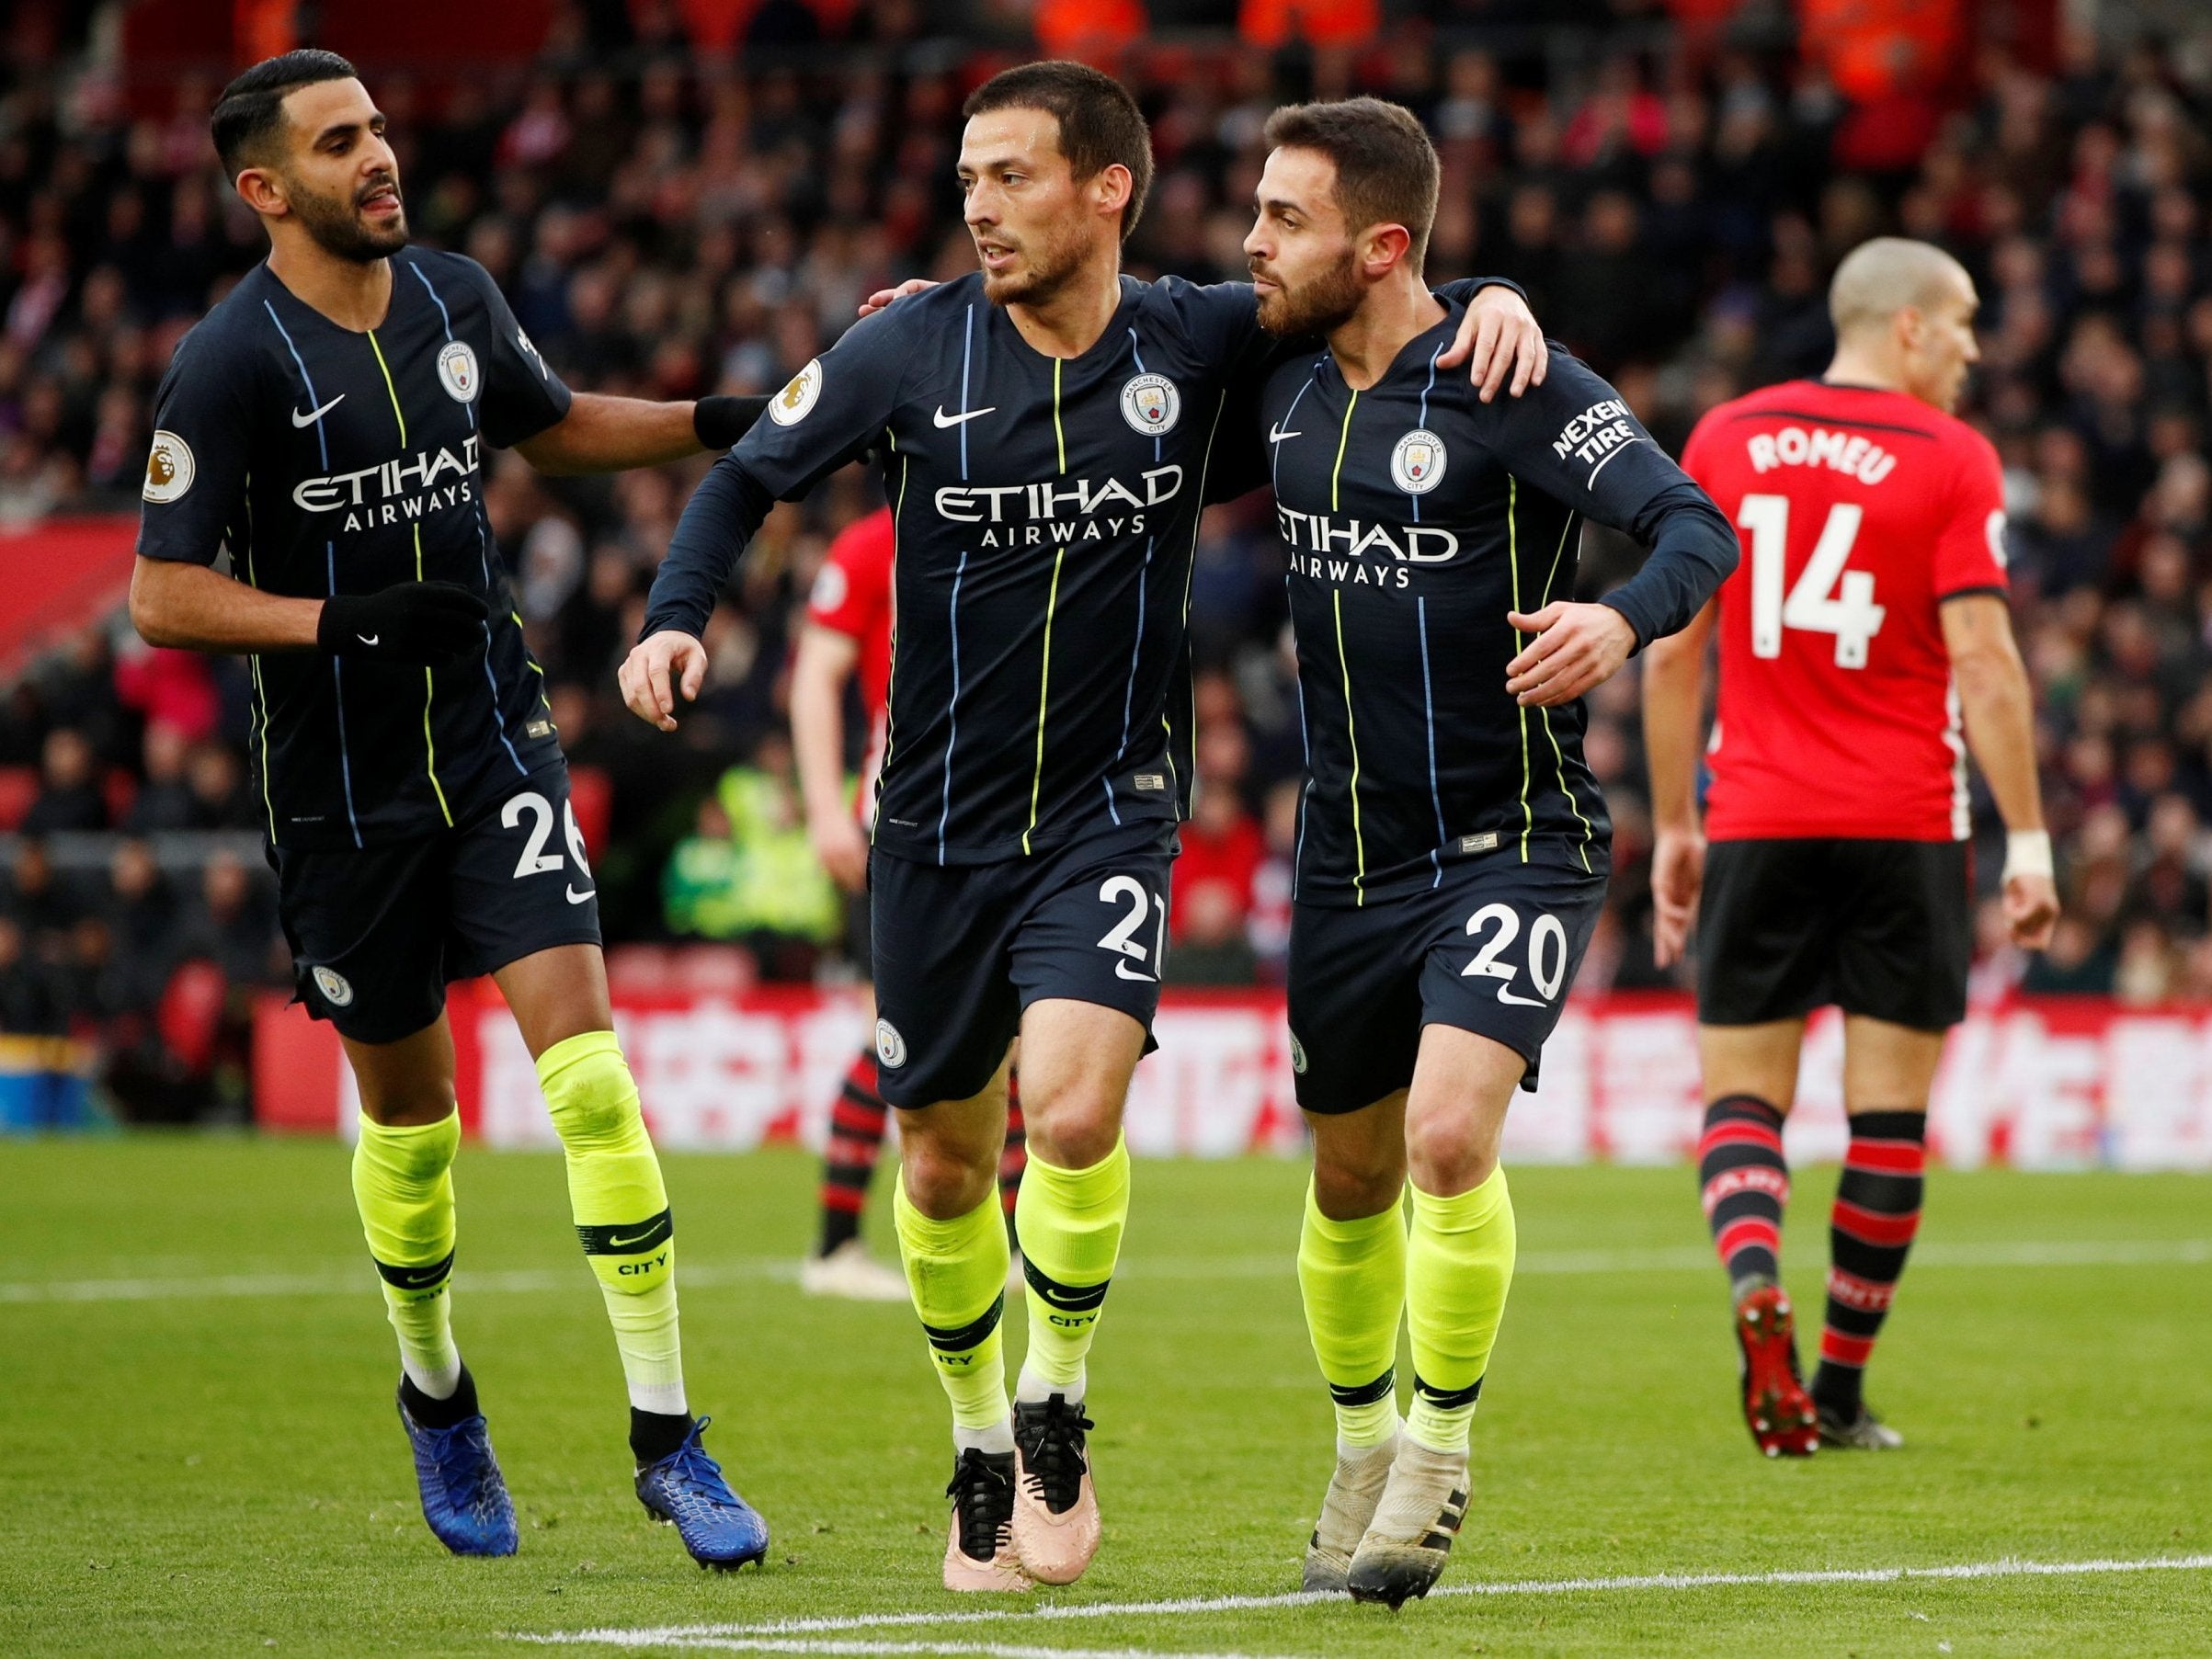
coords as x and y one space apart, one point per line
1546 955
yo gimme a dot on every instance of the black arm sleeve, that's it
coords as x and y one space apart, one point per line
1574 438
832 412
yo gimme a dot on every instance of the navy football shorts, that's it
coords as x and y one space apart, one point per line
962 949
376 932
1492 948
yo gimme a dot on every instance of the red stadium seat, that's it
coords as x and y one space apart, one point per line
18 788
591 793
191 1014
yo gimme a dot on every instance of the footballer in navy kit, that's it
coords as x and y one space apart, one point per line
1048 428
326 427
1453 847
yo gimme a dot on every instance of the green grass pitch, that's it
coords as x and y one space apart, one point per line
187 1472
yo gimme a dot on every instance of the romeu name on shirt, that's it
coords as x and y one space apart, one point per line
1046 512
1861 511
328 461
1416 517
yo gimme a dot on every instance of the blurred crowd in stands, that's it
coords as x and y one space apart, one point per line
665 231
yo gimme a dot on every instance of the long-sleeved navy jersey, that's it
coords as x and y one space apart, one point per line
332 461
1415 518
1046 511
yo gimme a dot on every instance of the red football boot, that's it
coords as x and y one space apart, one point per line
1775 1406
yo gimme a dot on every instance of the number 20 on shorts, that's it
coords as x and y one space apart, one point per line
1547 954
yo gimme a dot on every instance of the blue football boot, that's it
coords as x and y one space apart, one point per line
464 1494
686 1490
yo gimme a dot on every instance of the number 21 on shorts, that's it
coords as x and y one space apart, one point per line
1546 955
1121 938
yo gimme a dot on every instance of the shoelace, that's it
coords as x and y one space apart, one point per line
1052 1445
464 1452
982 1501
696 1475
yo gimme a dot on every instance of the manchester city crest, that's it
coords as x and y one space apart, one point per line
890 1047
1151 404
457 372
1417 465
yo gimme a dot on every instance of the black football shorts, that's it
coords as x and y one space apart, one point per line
1881 928
962 949
1491 948
377 932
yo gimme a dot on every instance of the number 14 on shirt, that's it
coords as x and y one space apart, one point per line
1827 598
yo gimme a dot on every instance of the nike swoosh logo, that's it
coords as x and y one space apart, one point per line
953 420
308 420
1121 970
1275 434
368 639
614 1244
577 898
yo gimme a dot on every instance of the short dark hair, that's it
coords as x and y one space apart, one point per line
1099 121
251 110
1386 168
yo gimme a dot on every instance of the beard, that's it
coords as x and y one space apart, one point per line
1314 306
1049 261
337 225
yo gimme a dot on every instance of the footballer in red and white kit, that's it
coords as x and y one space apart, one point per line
848 636
1860 511
1864 646
852 596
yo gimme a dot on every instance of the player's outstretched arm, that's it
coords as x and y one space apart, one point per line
832 412
192 608
2000 716
602 434
1674 702
825 661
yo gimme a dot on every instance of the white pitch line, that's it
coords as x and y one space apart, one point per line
2034 1253
683 1635
995 1649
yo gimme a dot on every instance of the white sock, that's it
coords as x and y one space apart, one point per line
1033 1390
434 1380
994 1441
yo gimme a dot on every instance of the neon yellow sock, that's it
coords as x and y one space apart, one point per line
402 1186
957 1272
621 1209
1351 1275
1070 1222
1459 1265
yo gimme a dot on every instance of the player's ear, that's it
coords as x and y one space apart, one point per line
1111 186
262 190
1383 247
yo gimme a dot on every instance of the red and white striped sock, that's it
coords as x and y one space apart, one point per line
1870 1232
856 1141
1745 1183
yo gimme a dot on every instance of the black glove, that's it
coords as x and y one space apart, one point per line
720 421
428 622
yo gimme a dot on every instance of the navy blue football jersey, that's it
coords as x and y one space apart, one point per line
1415 519
327 462
1046 510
